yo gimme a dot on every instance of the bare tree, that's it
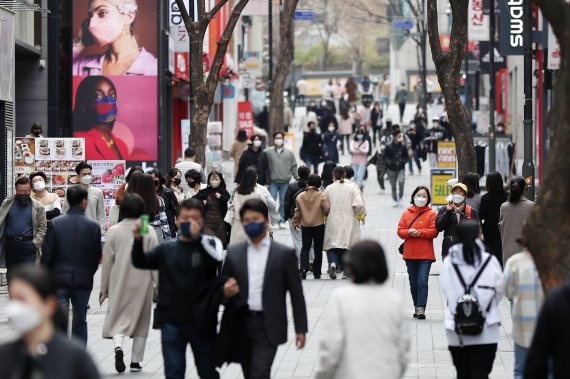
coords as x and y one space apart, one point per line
546 232
326 23
286 40
395 11
448 68
204 89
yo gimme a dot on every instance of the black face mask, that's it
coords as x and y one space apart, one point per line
191 184
23 199
177 181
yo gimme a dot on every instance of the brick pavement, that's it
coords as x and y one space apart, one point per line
429 357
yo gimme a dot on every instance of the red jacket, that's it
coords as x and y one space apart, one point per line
421 247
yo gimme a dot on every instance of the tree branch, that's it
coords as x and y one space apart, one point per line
188 22
212 13
557 13
223 45
433 29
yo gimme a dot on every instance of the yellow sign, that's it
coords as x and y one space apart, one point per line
446 154
439 188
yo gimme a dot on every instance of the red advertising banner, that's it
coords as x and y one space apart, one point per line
181 66
115 97
245 117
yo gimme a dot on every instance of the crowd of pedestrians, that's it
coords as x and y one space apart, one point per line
188 243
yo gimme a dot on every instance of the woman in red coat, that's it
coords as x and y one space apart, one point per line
417 228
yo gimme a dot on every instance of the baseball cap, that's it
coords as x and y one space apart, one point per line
460 185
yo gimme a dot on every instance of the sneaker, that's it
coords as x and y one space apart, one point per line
421 313
415 315
332 271
303 274
281 225
396 204
136 367
119 363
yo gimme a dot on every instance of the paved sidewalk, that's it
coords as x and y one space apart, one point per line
429 357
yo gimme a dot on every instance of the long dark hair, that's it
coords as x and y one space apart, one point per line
494 182
132 171
143 185
84 115
219 175
248 181
467 233
43 283
517 187
170 176
471 180
327 173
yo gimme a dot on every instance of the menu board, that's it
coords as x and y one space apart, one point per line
66 149
60 175
24 155
108 177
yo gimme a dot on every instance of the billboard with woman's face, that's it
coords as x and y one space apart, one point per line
115 104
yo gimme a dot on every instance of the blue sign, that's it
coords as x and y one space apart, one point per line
304 15
403 24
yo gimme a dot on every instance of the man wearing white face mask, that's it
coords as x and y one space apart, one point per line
277 166
449 216
96 207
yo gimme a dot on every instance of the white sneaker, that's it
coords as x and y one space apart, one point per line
396 204
281 225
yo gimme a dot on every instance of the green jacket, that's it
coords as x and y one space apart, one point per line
39 225
401 96
277 167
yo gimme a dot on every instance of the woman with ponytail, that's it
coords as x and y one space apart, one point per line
514 214
468 262
342 228
42 349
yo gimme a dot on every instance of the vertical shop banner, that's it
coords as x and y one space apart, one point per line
439 187
245 118
24 155
446 154
511 27
478 22
115 102
108 177
553 50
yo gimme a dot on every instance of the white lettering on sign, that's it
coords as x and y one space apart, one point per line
516 11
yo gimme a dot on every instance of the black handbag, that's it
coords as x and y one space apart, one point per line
401 248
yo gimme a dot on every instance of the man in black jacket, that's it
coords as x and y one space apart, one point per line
261 273
311 149
72 252
396 156
185 266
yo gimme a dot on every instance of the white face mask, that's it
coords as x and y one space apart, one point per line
22 317
257 143
39 185
215 183
420 202
457 199
86 179
279 142
331 129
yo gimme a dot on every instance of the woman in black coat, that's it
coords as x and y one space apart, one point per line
172 195
250 157
490 211
215 198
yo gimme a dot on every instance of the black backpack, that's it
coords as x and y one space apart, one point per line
469 318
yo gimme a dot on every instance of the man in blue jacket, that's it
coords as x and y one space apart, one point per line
72 252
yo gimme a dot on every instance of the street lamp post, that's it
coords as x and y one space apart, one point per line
528 164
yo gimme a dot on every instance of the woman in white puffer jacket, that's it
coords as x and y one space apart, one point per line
472 355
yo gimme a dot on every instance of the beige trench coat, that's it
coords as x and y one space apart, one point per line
130 289
342 229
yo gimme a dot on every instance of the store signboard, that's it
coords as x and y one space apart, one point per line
245 117
108 177
478 22
440 190
446 154
511 27
553 50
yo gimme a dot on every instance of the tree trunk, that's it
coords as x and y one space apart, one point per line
547 230
448 68
204 90
277 104
423 68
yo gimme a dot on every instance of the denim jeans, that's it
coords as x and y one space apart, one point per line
279 189
335 256
79 300
175 338
397 178
312 162
418 271
520 360
359 171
